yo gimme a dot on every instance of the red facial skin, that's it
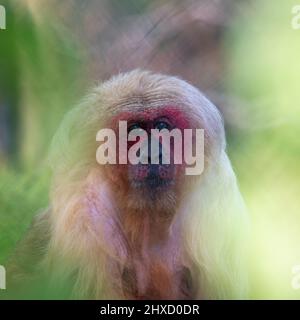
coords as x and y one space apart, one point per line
175 117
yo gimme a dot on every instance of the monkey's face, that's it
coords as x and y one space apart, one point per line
151 176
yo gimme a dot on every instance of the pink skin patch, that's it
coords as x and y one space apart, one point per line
165 172
141 172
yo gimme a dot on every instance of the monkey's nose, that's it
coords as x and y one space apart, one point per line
153 172
155 156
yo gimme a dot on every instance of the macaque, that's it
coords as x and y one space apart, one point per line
143 230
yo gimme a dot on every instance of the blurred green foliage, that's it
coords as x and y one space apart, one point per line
263 72
21 196
39 82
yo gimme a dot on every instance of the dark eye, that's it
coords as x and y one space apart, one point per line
134 126
160 125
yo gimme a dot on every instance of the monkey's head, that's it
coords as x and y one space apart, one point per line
147 106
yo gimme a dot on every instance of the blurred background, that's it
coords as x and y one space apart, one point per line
244 55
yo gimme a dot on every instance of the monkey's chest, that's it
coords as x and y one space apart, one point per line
147 268
158 275
159 283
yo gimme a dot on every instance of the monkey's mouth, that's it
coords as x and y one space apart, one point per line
152 177
152 183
